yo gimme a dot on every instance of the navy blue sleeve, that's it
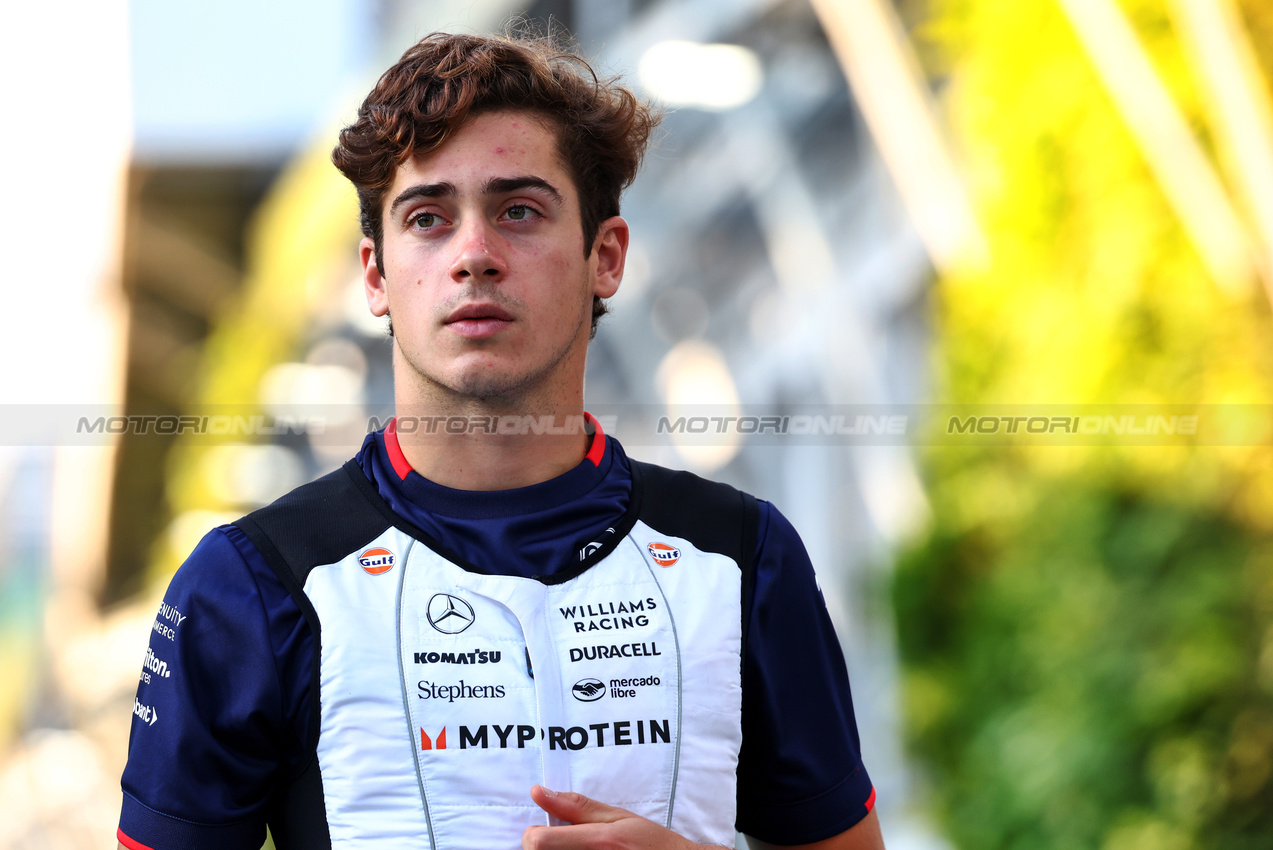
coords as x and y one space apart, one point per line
800 772
222 709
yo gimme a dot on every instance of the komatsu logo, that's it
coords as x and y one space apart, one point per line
477 656
377 561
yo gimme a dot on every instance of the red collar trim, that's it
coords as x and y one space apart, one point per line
598 448
394 448
596 451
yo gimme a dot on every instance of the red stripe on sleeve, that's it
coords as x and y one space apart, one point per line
128 842
396 457
870 801
598 449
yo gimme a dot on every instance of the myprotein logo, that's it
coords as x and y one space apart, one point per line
461 690
477 656
377 561
663 554
619 733
449 614
588 690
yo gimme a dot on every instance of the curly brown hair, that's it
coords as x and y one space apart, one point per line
444 80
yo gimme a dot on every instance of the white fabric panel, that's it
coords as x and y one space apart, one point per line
612 710
704 590
369 778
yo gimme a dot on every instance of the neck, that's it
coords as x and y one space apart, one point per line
483 447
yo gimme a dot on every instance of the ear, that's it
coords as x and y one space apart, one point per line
373 281
609 251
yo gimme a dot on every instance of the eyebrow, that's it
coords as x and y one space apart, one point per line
494 186
422 190
506 185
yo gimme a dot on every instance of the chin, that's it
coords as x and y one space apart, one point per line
488 386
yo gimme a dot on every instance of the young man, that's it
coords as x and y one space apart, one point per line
492 638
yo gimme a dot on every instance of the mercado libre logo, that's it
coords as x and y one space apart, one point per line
589 690
377 561
663 554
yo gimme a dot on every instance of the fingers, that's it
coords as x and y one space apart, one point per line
576 808
566 837
591 825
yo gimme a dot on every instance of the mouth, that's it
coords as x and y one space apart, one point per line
478 321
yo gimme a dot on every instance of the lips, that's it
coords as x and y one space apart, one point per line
476 321
479 311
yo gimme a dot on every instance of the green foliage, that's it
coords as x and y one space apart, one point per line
1089 667
1087 633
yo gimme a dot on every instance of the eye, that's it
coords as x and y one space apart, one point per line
520 212
426 220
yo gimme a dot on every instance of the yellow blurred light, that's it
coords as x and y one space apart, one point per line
1165 139
289 389
696 384
889 87
705 76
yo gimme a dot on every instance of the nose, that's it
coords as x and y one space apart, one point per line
478 257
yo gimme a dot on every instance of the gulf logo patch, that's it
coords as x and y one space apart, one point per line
663 554
377 561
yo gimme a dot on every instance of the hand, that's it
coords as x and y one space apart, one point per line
595 825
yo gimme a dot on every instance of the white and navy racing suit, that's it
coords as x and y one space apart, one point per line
378 661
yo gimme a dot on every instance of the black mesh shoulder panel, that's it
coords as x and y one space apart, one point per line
317 523
713 516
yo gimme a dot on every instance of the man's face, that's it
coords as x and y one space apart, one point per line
484 269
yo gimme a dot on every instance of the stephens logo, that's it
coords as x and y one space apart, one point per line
377 561
589 690
449 614
663 554
451 693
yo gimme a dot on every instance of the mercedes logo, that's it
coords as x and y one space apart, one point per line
449 614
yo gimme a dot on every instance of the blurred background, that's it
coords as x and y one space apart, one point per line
854 205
